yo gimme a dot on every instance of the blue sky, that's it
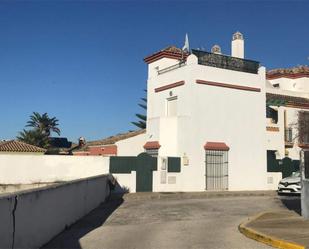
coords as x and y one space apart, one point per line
82 61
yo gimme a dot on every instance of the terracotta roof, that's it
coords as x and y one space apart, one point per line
286 100
116 138
17 146
292 73
216 146
152 145
171 52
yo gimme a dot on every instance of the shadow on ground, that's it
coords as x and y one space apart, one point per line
292 202
70 237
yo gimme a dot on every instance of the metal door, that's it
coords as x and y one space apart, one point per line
216 170
145 166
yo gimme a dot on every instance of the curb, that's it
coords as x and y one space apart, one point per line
197 195
266 239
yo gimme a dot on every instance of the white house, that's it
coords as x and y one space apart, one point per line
287 98
233 125
209 109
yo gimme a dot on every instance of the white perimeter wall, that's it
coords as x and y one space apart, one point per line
41 214
132 146
27 169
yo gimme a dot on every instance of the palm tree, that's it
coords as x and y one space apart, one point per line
44 123
34 137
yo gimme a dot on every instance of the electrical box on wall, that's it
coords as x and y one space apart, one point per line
185 160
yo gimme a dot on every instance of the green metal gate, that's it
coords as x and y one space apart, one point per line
143 164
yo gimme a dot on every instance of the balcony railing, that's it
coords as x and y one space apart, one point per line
170 68
226 62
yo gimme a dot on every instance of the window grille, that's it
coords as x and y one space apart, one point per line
216 170
288 135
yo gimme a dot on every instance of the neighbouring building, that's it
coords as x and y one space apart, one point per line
17 147
287 101
124 144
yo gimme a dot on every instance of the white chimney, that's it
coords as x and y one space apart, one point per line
216 49
238 45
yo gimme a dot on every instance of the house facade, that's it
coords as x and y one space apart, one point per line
209 109
287 100
214 122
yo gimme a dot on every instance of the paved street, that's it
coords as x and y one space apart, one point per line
170 223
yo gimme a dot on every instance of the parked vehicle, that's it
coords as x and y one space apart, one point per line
290 184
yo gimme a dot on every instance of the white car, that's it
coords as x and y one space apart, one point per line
290 184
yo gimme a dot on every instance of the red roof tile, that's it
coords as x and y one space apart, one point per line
216 146
116 138
152 145
171 52
17 146
292 73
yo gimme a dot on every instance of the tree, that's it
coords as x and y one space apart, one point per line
44 123
42 126
34 137
141 123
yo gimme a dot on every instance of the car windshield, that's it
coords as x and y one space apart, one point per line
296 174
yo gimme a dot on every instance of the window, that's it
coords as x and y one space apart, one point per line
216 170
288 135
276 85
171 107
272 113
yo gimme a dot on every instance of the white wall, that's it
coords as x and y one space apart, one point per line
273 179
275 139
27 169
297 85
43 213
132 146
127 182
214 114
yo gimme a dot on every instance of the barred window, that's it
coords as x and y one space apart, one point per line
216 170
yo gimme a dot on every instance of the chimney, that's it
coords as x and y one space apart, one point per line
81 142
238 45
216 49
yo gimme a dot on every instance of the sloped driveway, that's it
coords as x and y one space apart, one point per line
167 223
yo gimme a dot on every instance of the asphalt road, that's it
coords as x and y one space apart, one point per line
169 223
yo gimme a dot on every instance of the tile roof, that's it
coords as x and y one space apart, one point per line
17 146
294 72
216 146
107 141
171 52
286 100
152 145
116 138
